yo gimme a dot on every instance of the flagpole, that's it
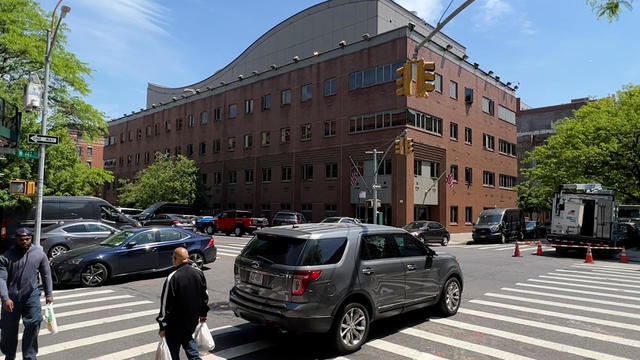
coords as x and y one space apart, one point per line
435 182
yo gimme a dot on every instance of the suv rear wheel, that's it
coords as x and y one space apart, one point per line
209 229
237 231
351 328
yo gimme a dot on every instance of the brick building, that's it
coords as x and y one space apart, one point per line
90 152
279 126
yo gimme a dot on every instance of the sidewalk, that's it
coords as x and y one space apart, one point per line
460 238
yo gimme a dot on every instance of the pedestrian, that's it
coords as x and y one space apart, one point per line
184 301
20 294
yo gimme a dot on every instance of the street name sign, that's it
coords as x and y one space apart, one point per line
43 139
29 154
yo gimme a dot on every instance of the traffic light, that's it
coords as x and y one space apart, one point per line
403 82
399 146
408 145
424 77
22 187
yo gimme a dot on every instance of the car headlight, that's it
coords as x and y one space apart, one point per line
74 261
494 228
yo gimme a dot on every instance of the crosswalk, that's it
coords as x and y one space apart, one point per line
579 311
231 249
524 246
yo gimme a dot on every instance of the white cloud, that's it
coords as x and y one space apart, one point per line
145 15
491 12
429 10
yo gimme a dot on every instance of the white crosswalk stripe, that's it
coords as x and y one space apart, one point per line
575 298
612 274
402 350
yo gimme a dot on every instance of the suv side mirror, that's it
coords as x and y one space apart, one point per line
130 244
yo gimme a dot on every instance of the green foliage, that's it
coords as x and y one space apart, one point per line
169 178
609 8
599 144
23 26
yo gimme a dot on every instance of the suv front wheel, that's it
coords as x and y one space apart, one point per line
351 328
450 298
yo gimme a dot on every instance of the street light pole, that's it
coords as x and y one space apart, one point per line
51 38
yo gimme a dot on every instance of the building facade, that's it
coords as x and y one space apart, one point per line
286 123
90 152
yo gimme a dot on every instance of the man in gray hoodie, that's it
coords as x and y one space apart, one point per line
20 295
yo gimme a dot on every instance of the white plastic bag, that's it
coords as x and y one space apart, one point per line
50 317
203 337
162 352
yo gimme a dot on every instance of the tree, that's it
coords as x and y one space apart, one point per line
609 8
173 179
23 27
599 144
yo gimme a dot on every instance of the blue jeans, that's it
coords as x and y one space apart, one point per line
179 337
31 313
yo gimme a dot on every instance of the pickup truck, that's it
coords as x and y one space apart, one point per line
238 222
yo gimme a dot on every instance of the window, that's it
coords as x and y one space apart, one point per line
331 171
306 92
488 142
146 157
265 102
248 176
435 169
89 162
453 214
139 131
453 131
156 129
248 106
130 135
204 179
487 106
265 210
468 136
216 145
233 111
305 132
307 211
374 76
408 245
417 167
79 150
504 147
266 175
167 126
233 176
285 97
189 150
376 247
286 173
231 144
427 122
330 210
385 167
265 138
203 117
437 82
506 114
202 148
166 151
217 178
488 178
285 135
507 181
468 175
148 130
468 95
307 172
453 90
217 114
247 141
468 215
109 164
190 120
329 128
454 170
330 87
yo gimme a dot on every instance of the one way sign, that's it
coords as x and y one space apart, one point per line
43 139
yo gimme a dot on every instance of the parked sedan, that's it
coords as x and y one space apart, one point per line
183 222
132 251
59 238
534 230
429 231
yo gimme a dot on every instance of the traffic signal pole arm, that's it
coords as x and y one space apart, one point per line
439 27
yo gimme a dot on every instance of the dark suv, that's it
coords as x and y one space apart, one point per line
338 278
287 217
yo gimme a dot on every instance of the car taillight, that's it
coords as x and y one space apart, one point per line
3 230
175 222
210 243
302 278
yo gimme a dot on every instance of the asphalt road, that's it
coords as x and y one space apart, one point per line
529 307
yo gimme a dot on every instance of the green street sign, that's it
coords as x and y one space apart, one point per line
29 154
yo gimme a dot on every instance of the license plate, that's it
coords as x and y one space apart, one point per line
483 236
255 278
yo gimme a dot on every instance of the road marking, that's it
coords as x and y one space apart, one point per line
90 301
402 350
617 296
487 247
227 254
101 308
614 265
99 292
559 315
149 348
237 351
229 248
529 340
573 278
481 349
232 246
604 302
595 277
567 306
613 274
558 328
609 268
584 286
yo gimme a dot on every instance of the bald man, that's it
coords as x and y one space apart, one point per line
183 302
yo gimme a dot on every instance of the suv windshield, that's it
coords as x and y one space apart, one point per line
294 251
489 219
116 239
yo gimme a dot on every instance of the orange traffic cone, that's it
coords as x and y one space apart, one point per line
516 253
539 249
623 256
589 259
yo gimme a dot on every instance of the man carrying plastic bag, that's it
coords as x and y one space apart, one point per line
183 302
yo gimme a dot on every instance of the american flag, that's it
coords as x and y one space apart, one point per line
354 177
449 179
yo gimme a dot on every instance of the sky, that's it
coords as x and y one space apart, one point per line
555 50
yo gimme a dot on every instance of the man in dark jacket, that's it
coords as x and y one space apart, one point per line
20 294
184 300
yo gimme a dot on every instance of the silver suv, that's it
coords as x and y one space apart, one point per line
339 277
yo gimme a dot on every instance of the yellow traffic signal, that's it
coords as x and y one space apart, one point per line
403 82
425 76
399 146
408 145
22 187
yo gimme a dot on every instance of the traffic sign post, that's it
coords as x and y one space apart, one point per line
43 139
